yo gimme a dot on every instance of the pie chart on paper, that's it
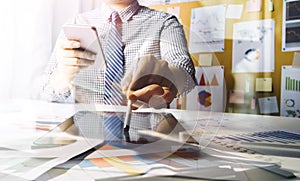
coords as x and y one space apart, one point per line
204 98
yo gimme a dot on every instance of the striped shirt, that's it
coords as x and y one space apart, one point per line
144 31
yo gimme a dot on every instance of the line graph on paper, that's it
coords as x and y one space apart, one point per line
291 25
207 29
293 34
293 10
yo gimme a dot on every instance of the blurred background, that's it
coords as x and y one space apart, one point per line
28 31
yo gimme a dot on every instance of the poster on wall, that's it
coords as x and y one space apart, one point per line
290 92
209 91
253 46
207 29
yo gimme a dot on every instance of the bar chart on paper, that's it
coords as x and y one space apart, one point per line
292 84
290 92
273 142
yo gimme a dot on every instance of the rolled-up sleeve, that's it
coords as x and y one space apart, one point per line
174 49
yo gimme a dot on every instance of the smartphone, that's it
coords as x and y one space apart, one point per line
88 38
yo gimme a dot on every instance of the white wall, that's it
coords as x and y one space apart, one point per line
28 31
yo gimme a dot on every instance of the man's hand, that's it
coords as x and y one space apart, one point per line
70 60
150 81
155 95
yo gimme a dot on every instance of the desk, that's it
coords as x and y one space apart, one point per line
29 111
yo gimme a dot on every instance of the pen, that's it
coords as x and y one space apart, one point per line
128 115
127 121
138 104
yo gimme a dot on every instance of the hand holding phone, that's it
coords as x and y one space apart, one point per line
89 42
80 50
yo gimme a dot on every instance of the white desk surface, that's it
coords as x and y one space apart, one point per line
30 110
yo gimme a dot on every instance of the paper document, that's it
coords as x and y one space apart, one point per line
268 105
30 165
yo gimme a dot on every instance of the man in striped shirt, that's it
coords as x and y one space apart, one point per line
156 60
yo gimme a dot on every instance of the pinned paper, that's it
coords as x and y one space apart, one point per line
208 93
263 85
296 60
249 41
207 29
234 11
271 5
253 5
268 105
237 97
290 92
205 59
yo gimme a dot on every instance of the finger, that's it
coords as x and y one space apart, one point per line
150 79
82 54
69 44
75 62
168 96
162 101
157 102
131 96
146 93
69 70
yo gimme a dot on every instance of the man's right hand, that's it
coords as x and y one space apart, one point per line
70 60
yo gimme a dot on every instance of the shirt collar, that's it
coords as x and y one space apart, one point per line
125 14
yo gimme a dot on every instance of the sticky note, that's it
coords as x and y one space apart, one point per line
263 85
271 5
296 60
205 59
234 11
253 5
268 105
237 97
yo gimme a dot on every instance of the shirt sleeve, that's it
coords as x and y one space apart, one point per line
174 49
47 93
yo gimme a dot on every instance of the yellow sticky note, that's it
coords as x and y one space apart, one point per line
263 85
205 59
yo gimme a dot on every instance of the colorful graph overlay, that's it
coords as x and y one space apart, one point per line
138 164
